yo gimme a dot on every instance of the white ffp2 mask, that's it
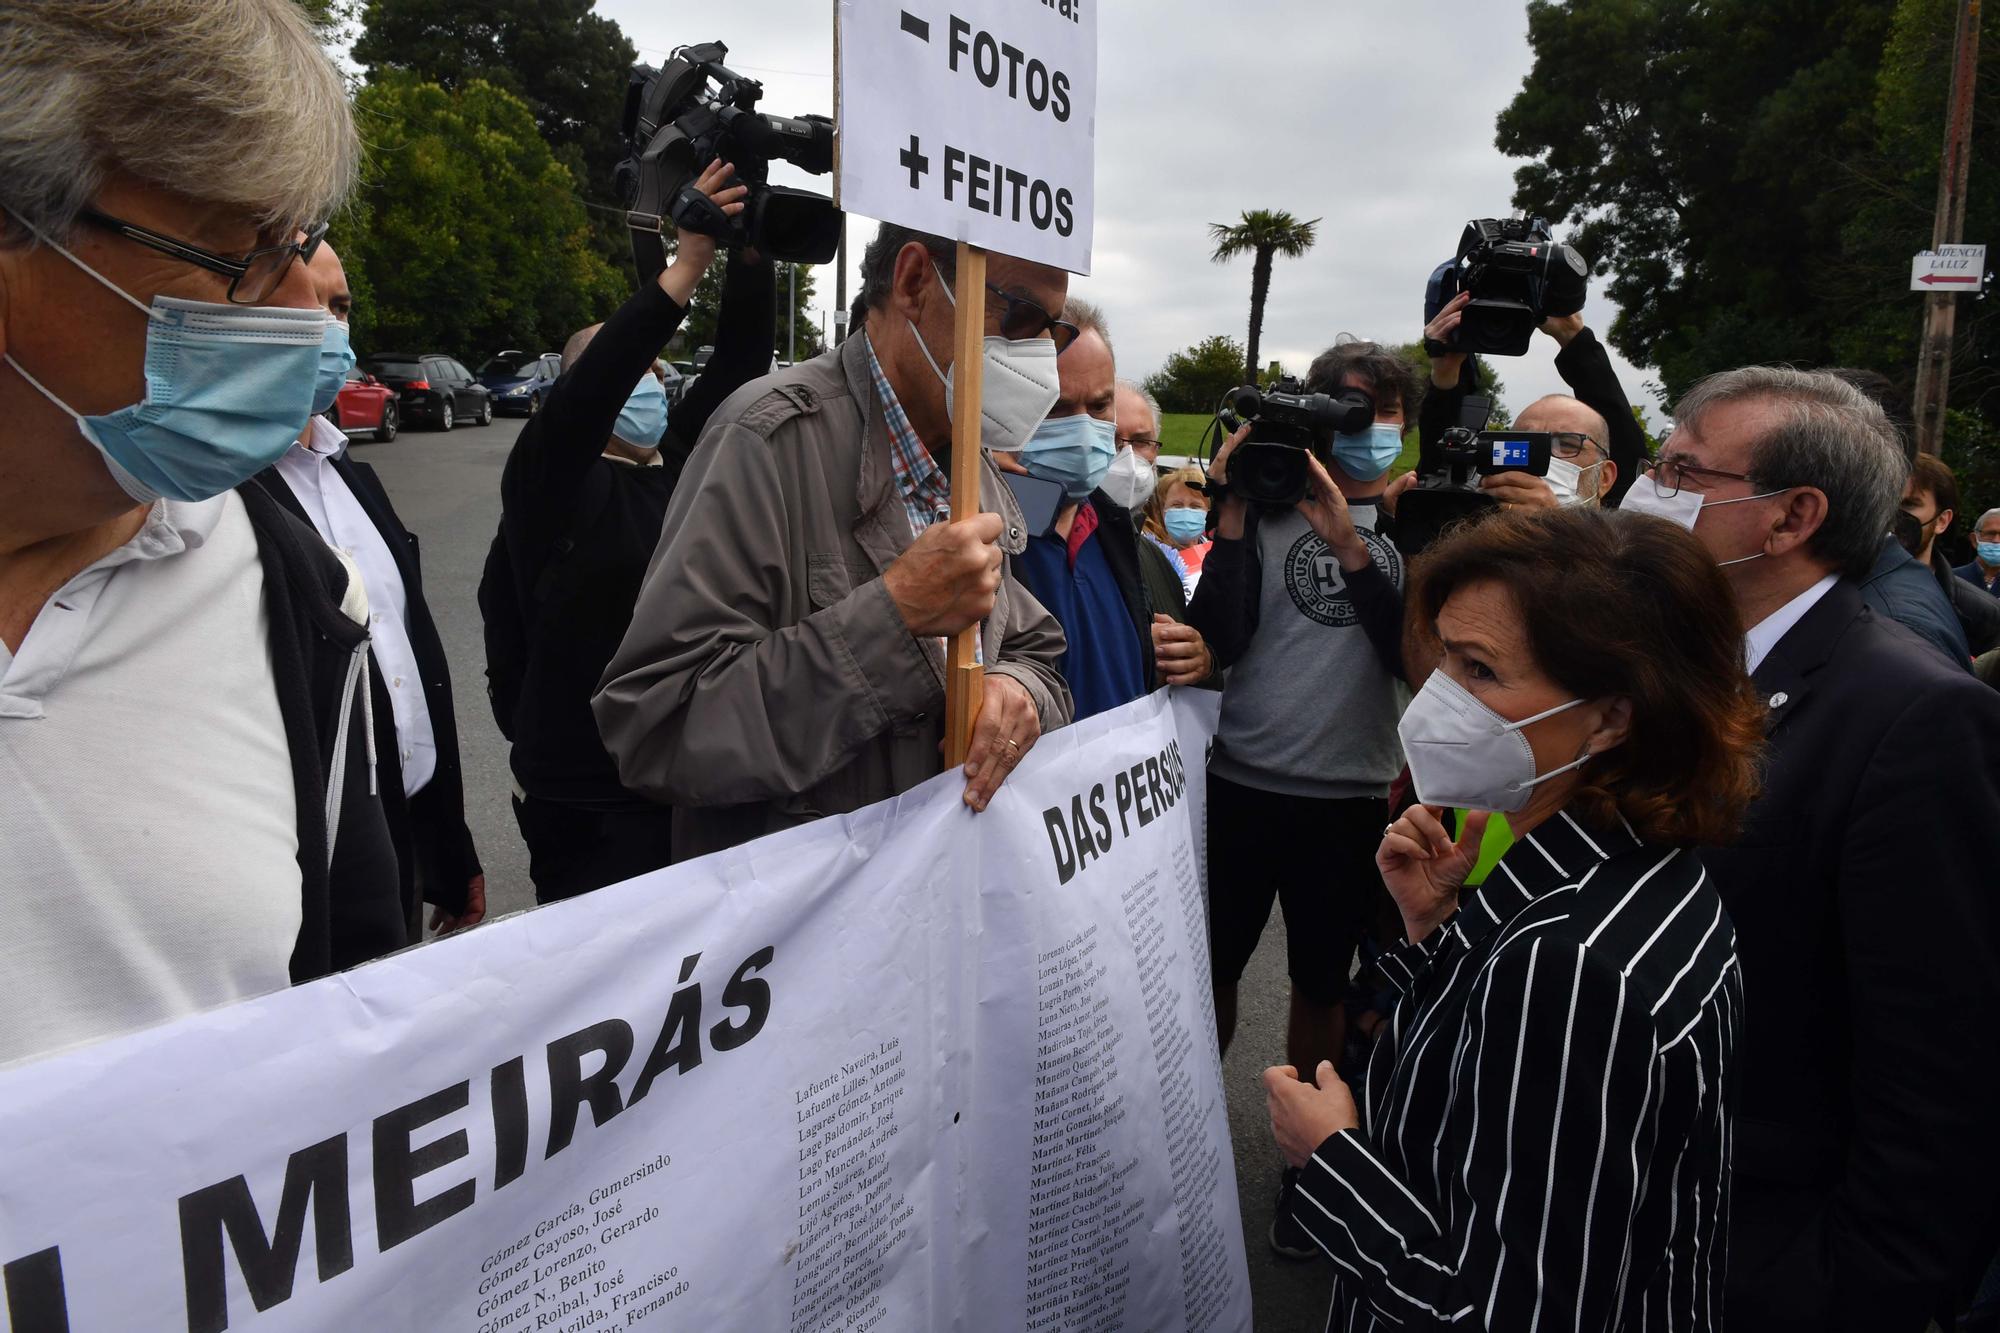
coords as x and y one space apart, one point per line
1130 481
1464 755
1019 387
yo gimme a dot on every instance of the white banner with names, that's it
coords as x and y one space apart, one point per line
909 1069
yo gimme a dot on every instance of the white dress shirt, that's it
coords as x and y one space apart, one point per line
148 821
344 525
1764 635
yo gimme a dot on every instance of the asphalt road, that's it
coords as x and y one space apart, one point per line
446 487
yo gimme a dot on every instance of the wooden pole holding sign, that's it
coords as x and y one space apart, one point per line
964 677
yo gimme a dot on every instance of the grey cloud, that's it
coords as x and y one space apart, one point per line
1374 115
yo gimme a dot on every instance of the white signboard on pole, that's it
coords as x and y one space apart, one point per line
972 119
909 1070
1955 268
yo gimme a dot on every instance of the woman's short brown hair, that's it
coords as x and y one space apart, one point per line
1625 604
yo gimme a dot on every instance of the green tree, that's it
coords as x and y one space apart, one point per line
467 235
698 329
1707 151
1195 378
568 63
1264 235
1490 384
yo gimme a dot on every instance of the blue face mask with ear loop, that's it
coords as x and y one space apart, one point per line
227 389
1367 454
643 419
336 358
1185 524
1073 451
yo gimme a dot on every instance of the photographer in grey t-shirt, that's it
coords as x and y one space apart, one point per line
1304 607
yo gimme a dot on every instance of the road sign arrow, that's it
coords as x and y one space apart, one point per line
1932 279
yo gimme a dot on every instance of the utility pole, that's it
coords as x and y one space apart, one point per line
1941 308
792 337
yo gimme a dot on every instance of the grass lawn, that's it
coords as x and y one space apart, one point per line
1181 434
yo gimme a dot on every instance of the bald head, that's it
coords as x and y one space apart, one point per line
1560 412
577 342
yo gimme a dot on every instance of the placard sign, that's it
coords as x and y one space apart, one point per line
1953 268
972 119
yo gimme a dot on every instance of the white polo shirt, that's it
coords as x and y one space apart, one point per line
345 526
148 831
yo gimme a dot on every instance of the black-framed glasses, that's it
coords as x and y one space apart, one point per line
1137 442
252 278
1670 474
1024 319
1568 444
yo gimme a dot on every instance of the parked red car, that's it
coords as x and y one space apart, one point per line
365 406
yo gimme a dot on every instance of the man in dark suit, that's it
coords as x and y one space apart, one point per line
422 789
1866 1167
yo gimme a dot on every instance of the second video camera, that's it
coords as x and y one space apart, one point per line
1518 276
695 110
1452 494
1287 426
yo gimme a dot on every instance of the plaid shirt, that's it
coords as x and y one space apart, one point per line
926 492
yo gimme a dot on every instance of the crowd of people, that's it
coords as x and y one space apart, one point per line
1630 839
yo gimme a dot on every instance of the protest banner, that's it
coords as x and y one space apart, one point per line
910 1069
974 120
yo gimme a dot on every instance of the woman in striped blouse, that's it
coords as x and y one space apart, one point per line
1543 1138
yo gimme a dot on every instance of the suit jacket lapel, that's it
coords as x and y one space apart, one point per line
1785 676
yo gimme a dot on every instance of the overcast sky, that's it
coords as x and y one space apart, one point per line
1318 107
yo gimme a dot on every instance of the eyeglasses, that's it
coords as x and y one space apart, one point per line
1568 444
252 278
1670 474
1024 319
1137 442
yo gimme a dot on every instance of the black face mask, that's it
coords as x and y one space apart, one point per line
1910 534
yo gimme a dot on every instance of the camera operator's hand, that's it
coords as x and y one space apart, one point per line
1445 366
1519 490
1229 510
1325 508
1563 328
1423 867
1182 654
694 252
949 577
1394 492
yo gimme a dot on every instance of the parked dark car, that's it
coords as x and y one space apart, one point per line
520 381
433 387
365 406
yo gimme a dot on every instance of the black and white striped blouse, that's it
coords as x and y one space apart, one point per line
1545 1132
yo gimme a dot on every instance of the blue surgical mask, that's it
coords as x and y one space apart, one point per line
643 420
1990 553
227 389
1074 451
1185 524
1368 454
336 358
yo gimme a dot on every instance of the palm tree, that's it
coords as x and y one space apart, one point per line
1265 234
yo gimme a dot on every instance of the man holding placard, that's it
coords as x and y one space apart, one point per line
785 660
